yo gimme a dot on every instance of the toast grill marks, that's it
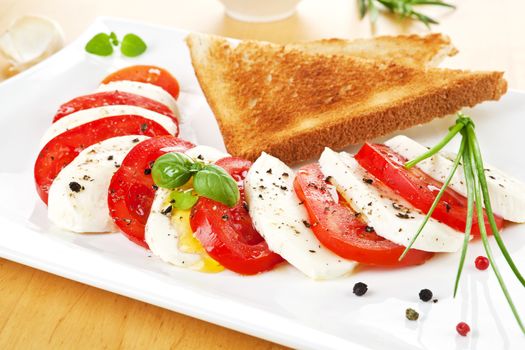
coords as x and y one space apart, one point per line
292 104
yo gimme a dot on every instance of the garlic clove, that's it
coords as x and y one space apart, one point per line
29 40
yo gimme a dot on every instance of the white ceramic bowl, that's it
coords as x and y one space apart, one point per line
260 10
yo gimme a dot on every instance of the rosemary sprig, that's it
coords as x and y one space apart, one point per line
402 8
477 195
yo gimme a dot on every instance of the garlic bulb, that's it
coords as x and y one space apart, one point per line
29 40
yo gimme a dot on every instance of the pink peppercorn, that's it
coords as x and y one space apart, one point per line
463 329
482 263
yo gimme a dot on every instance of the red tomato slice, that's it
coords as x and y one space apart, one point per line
338 227
131 190
147 74
111 98
418 188
61 150
228 234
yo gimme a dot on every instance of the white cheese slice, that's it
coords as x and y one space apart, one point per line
143 89
282 220
391 217
88 115
161 235
78 196
507 194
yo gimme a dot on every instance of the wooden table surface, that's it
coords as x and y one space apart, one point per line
40 310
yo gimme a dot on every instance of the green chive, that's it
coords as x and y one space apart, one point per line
476 152
460 123
481 222
469 180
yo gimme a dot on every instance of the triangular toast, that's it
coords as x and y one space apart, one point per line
292 103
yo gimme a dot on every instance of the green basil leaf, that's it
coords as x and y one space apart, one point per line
99 45
183 200
132 45
171 170
215 183
113 38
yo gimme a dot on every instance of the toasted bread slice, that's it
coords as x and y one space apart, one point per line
413 50
292 104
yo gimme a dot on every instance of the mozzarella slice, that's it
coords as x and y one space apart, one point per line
88 115
78 196
168 232
206 154
144 89
507 194
391 217
283 221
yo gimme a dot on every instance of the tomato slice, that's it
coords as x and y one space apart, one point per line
132 190
228 234
61 150
147 74
418 188
341 230
111 98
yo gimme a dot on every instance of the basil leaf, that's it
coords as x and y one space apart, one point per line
132 45
183 200
113 38
171 170
99 45
215 183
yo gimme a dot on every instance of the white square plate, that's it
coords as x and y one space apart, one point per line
282 305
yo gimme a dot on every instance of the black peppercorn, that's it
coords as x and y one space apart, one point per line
75 186
360 289
425 295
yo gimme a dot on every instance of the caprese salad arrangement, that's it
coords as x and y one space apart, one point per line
112 161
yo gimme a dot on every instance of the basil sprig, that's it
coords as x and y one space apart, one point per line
102 44
173 170
477 195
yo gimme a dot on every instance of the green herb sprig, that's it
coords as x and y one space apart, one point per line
402 8
173 170
469 155
102 44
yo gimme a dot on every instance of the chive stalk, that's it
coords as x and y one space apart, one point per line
476 152
477 197
469 181
473 168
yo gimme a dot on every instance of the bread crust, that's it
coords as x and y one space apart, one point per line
413 50
291 103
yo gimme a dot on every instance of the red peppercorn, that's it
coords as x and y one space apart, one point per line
463 329
482 263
